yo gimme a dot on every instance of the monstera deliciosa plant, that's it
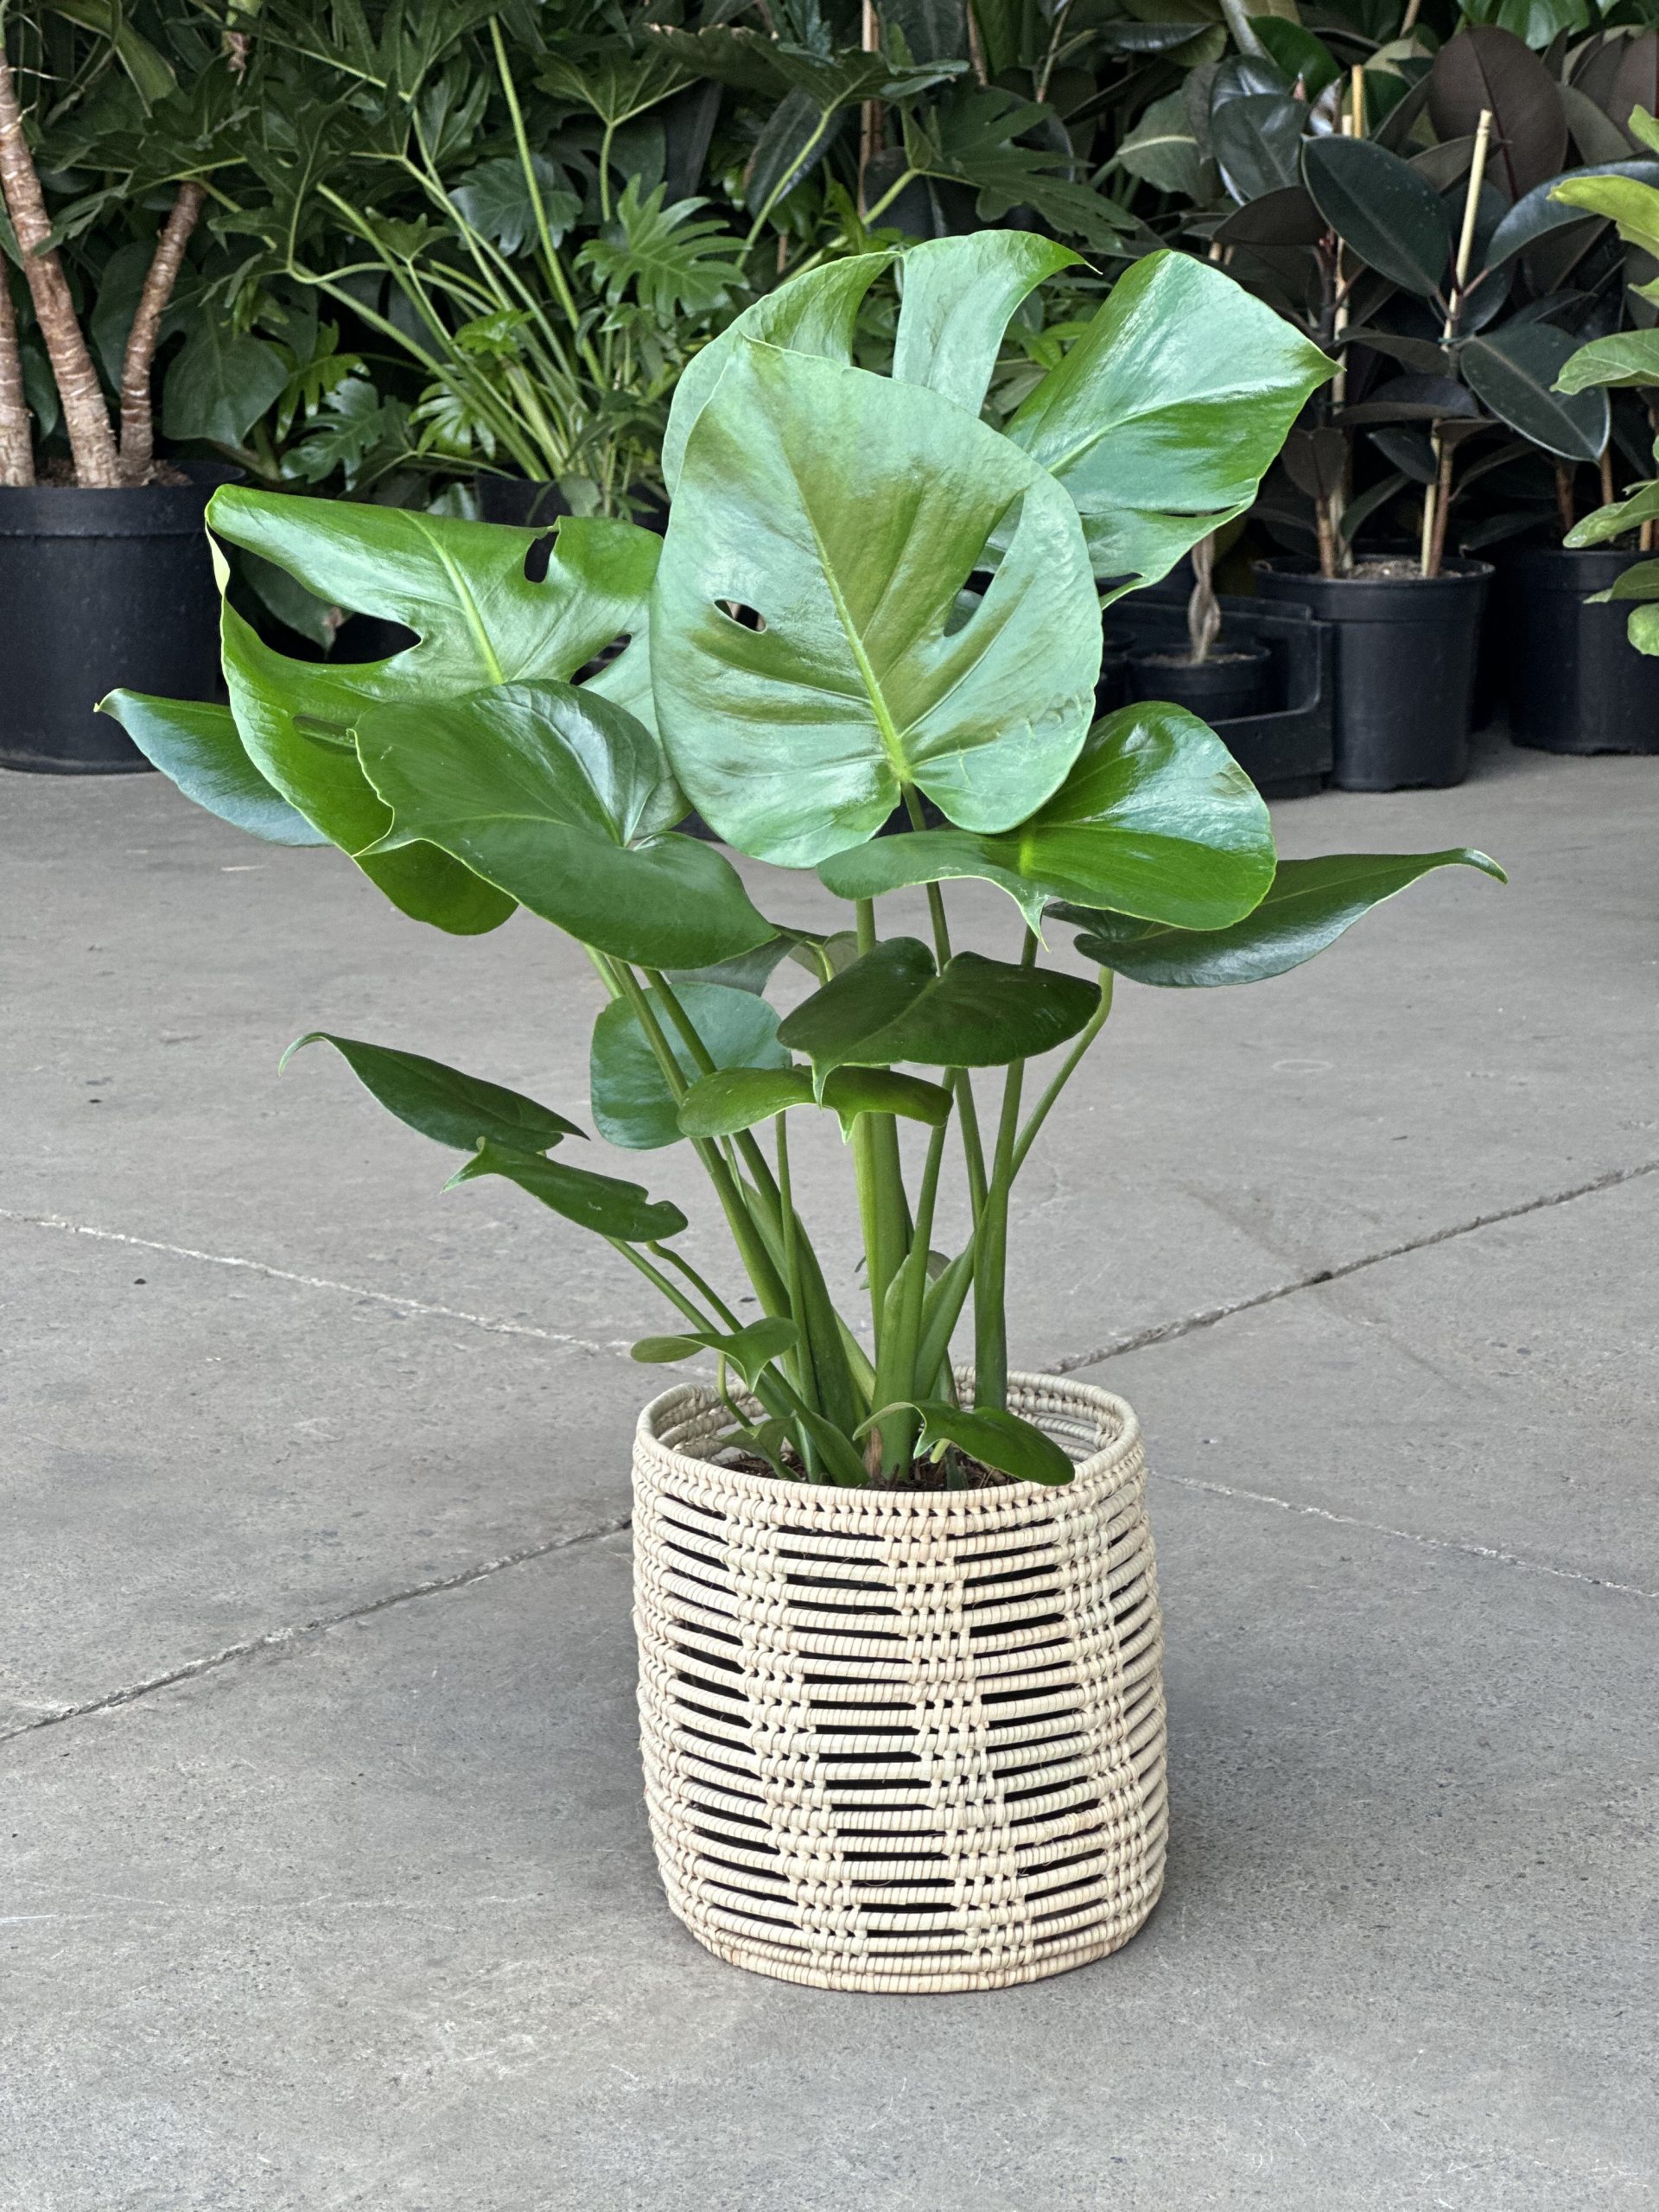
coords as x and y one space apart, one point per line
869 604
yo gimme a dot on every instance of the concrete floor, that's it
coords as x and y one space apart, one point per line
326 1877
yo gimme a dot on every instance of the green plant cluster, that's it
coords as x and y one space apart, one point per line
872 612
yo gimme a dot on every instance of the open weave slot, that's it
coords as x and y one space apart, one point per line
902 1740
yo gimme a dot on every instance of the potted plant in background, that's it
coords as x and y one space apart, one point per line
103 564
823 1528
1219 678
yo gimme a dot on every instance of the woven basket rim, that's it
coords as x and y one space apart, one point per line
1098 1473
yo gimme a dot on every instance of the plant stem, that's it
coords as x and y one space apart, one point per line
16 433
1437 497
1068 1068
886 200
722 1309
137 406
801 1357
554 267
790 177
670 1291
990 1265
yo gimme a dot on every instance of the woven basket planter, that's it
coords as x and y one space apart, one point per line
902 1740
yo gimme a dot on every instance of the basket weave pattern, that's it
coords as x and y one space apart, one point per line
902 1741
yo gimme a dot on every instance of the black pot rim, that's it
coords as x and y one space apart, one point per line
127 510
1455 568
1235 652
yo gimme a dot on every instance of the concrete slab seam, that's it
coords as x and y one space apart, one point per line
1404 1535
1165 1331
278 1639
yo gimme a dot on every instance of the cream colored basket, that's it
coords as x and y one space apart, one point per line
902 1740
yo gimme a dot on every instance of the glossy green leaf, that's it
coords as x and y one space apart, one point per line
1513 371
1625 201
632 1104
196 744
1156 818
1256 141
741 1098
1162 419
1629 360
749 1350
1309 906
1378 204
814 313
849 510
1163 148
1540 211
995 1437
1485 67
840 1459
957 295
1639 580
565 802
892 1005
218 384
1613 521
973 135
601 1202
442 1103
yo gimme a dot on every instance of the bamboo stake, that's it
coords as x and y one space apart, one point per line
869 126
1356 100
1438 494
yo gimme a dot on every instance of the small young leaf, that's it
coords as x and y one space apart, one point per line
994 1437
442 1103
737 1098
749 1349
601 1202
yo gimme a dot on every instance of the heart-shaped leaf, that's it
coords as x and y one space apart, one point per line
442 1103
894 1005
749 1348
1309 906
848 510
601 1202
1162 419
196 744
1156 818
956 297
1393 219
739 1098
566 802
632 1104
995 1437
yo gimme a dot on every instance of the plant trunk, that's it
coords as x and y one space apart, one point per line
1203 609
16 443
85 418
1565 505
137 408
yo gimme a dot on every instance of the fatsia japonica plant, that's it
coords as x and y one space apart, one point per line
872 612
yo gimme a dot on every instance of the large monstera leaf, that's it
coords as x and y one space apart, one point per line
957 297
479 621
847 511
1156 819
1163 418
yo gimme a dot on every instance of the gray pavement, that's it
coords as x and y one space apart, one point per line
325 1877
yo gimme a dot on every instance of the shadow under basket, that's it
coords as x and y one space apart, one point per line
904 1741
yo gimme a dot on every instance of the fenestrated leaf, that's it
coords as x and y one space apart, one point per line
633 1105
957 295
601 1202
196 744
892 1005
995 1437
814 313
1627 361
749 1348
1393 219
849 510
1308 907
971 136
1163 418
442 1103
739 1098
1156 818
566 802
1513 371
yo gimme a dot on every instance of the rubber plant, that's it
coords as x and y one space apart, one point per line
809 658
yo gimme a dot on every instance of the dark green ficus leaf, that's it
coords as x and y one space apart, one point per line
1485 67
442 1103
1256 141
748 1349
892 1005
1394 219
633 1105
1513 371
1309 906
739 1098
1539 211
994 1437
601 1202
197 746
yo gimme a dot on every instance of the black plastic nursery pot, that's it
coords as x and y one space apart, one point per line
1576 684
1405 667
1232 682
100 589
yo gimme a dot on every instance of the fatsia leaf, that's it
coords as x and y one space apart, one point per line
956 297
995 1437
675 265
1165 416
1513 371
1156 818
495 198
739 1098
632 1104
1309 906
848 511
971 137
749 1348
1163 148
600 1203
196 744
442 1103
564 801
1378 204
894 1005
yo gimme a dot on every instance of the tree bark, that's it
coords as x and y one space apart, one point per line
16 440
137 406
85 418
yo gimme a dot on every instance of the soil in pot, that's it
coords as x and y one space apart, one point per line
1576 682
100 590
1405 663
1230 681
